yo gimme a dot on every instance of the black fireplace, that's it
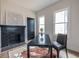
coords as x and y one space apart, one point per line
12 36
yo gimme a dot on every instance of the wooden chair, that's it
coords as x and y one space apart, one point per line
60 43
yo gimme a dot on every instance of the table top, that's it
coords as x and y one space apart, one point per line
36 43
39 40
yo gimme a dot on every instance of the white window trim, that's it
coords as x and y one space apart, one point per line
68 17
41 24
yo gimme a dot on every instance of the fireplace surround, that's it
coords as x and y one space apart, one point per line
11 36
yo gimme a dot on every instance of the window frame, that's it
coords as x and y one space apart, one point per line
41 24
60 22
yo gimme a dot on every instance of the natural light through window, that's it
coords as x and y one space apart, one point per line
42 23
61 20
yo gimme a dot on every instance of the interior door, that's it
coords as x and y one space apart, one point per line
30 28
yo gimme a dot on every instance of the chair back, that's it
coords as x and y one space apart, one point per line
62 39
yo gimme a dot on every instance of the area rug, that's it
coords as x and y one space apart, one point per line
38 52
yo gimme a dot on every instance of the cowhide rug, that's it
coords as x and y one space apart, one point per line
38 52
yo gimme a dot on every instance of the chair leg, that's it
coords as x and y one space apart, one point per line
66 52
57 53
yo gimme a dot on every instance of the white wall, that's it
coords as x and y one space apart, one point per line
9 6
73 25
0 11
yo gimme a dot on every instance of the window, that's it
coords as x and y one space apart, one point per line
61 20
42 23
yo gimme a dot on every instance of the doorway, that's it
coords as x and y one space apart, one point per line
30 28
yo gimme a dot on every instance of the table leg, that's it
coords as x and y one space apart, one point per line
57 53
28 55
50 52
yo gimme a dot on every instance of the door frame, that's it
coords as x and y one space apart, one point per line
34 24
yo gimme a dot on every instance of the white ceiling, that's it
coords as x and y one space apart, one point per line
34 5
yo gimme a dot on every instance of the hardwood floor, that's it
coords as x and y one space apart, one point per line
71 54
10 53
74 52
4 54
